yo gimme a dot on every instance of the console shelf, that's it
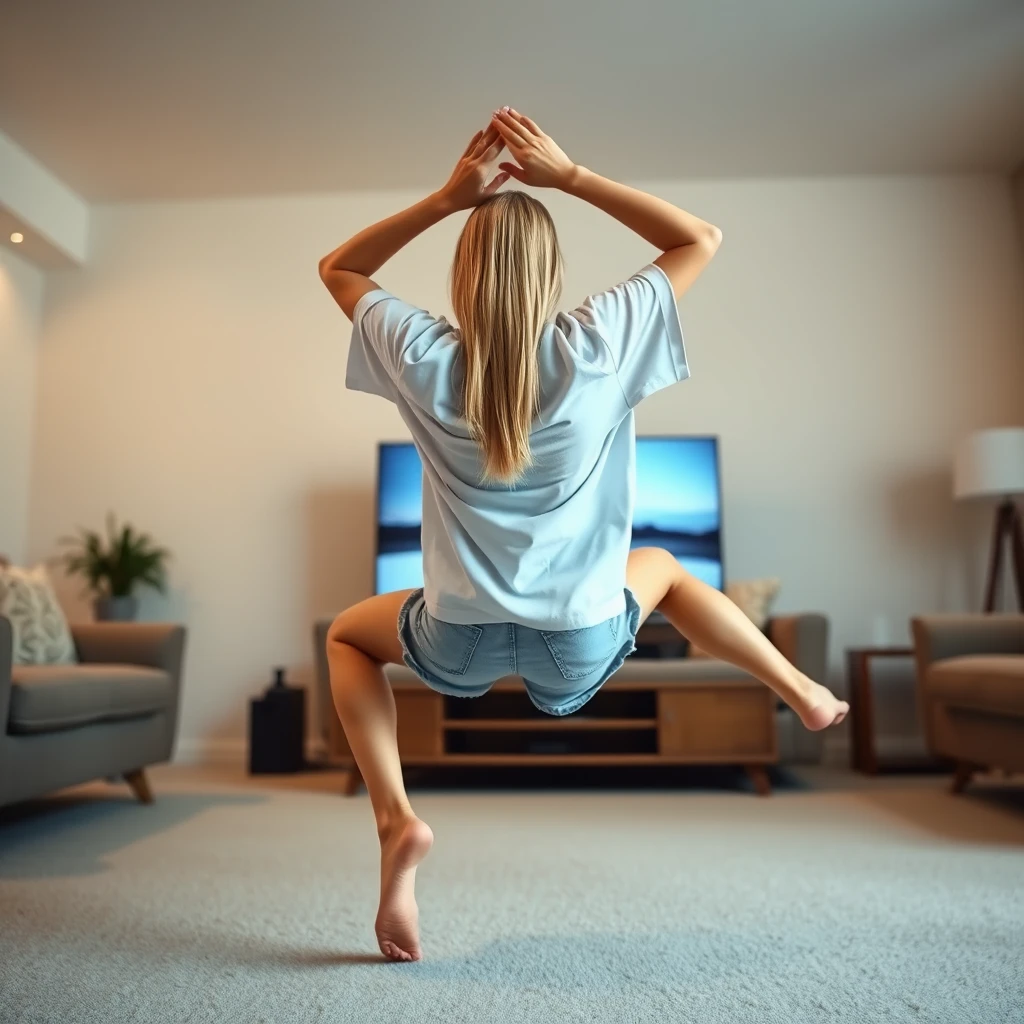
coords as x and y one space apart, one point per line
667 721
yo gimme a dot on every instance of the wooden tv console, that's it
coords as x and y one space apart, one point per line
661 721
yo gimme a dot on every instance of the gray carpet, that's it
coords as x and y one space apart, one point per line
253 903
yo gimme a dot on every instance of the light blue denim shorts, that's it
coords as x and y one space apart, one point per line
561 669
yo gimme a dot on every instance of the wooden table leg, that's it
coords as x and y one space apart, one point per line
862 713
962 776
759 777
140 786
353 780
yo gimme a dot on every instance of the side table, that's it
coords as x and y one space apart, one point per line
863 756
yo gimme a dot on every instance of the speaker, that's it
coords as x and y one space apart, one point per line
277 729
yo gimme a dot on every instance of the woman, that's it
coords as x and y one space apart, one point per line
523 419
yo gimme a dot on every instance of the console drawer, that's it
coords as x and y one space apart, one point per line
717 723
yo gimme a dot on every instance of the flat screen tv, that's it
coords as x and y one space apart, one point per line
678 507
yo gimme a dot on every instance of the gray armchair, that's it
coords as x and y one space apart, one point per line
112 714
970 678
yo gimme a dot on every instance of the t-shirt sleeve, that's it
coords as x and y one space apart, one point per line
384 330
638 321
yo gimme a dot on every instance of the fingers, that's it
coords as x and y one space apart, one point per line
491 153
524 120
497 183
472 143
484 140
510 127
509 137
513 170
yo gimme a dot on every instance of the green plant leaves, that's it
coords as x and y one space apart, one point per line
116 564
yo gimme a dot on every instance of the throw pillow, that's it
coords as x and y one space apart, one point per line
754 598
41 633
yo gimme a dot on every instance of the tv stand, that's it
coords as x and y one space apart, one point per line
667 710
659 720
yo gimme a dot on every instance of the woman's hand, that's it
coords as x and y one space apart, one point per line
540 161
468 186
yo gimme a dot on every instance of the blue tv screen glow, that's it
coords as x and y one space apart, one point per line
678 507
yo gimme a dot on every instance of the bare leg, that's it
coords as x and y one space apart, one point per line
712 621
359 643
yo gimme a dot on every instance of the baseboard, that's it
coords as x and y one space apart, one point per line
835 748
209 751
233 751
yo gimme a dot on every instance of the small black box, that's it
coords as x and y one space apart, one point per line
277 729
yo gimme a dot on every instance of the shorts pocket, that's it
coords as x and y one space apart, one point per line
582 652
448 646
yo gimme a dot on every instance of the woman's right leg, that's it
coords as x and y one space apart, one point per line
360 642
709 619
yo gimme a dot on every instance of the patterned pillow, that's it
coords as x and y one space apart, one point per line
754 598
41 633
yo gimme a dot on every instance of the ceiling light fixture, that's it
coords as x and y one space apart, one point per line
17 237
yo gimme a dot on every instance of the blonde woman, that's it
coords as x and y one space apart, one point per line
523 419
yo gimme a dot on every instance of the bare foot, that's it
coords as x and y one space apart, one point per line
818 707
403 844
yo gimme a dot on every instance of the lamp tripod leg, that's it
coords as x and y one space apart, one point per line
996 558
1016 531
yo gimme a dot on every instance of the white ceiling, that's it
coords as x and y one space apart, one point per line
153 98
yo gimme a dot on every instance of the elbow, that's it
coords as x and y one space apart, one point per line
713 237
324 268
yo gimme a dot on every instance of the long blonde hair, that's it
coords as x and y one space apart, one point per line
506 279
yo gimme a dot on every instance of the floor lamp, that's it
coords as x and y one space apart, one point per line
990 464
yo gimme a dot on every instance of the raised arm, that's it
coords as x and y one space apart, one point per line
686 241
346 271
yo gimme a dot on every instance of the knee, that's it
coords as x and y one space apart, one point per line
337 633
344 637
661 564
667 561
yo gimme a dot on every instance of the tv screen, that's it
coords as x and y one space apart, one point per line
678 507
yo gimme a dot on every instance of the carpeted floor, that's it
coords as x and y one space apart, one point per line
235 901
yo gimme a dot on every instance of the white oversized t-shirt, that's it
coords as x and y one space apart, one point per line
550 551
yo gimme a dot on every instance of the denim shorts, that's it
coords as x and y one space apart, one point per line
561 669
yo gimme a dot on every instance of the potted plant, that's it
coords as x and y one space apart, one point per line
114 566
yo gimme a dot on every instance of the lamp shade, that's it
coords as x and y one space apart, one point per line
990 463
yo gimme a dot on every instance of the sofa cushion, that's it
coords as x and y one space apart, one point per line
983 682
41 633
49 697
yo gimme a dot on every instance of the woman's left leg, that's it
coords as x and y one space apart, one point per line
360 642
710 619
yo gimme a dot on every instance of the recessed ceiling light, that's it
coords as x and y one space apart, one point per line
17 237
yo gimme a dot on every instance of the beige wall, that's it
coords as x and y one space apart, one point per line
21 304
849 332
